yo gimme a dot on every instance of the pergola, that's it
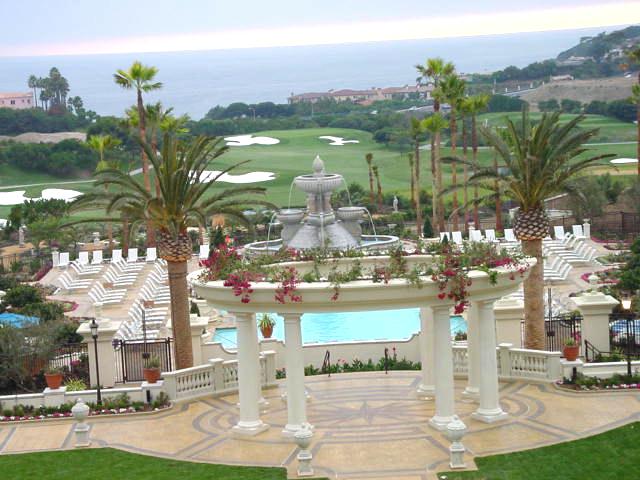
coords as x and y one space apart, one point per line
361 295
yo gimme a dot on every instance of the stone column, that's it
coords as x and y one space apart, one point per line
106 332
426 388
198 325
509 313
296 398
472 389
489 410
445 410
249 422
595 308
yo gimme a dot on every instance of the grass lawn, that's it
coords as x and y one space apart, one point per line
295 153
610 455
111 464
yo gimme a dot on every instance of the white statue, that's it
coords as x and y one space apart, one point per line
395 203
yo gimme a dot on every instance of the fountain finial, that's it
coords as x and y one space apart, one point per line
318 166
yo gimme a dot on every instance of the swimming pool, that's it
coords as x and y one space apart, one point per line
16 320
349 326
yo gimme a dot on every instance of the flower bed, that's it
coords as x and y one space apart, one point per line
609 276
616 382
446 265
119 405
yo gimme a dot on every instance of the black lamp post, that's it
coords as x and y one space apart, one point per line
94 334
626 305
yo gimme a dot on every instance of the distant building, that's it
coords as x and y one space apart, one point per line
561 78
16 101
365 96
573 61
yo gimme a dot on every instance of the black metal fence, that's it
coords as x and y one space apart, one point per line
71 359
130 357
559 329
624 333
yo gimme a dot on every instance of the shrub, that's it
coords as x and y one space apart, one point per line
22 295
75 385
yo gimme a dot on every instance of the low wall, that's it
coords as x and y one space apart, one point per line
55 398
608 369
314 352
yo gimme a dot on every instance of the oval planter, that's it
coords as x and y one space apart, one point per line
266 331
54 380
151 375
571 352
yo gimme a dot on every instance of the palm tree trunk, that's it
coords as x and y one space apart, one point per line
534 336
154 149
151 234
180 324
434 190
125 237
638 127
371 192
454 169
474 149
499 225
441 227
109 226
379 193
417 175
465 175
412 171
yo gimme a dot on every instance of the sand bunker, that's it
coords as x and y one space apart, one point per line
246 140
337 141
251 177
17 197
623 161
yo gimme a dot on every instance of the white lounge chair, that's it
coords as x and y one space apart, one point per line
490 235
204 252
83 258
457 237
152 254
132 256
63 260
96 257
445 234
509 236
578 232
116 256
475 236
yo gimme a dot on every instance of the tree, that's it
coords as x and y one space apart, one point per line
588 198
33 84
541 160
550 105
431 73
412 172
376 174
141 78
452 90
570 106
635 98
416 132
434 125
102 144
184 200
475 105
369 159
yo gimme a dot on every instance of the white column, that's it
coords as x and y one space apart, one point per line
426 388
296 397
472 390
248 376
445 410
489 410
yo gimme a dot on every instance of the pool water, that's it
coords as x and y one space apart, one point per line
348 326
16 320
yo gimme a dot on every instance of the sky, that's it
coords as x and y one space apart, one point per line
75 27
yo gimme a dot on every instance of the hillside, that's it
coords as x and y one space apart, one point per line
598 46
585 91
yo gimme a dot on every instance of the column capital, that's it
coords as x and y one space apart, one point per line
291 317
243 316
441 308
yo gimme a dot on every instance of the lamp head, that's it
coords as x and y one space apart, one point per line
94 328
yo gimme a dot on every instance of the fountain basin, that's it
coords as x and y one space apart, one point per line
290 216
350 214
323 183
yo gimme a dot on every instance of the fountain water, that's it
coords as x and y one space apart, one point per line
319 226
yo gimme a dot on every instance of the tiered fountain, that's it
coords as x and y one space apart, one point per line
320 226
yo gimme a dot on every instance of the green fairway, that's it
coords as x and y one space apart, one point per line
111 464
610 455
294 155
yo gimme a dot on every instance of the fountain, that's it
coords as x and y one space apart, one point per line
319 226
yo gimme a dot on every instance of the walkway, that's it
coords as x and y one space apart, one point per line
368 426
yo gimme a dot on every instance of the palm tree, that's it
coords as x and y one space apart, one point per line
412 172
182 202
102 144
434 125
369 159
141 78
465 111
432 72
452 90
635 98
541 161
416 131
33 83
376 174
475 105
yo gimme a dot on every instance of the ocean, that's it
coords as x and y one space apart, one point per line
196 81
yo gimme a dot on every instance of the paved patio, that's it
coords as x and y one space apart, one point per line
367 426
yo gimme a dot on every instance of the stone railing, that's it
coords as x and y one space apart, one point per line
217 377
515 363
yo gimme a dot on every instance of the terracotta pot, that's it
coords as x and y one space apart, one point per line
571 352
266 331
54 380
151 375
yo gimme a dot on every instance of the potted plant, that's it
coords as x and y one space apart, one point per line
571 349
151 370
266 325
53 376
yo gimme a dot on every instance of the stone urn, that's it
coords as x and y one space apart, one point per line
80 411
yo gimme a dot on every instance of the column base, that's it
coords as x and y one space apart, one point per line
290 429
249 429
426 392
440 423
307 395
489 415
471 394
82 436
263 405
